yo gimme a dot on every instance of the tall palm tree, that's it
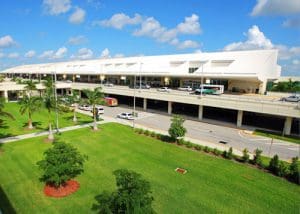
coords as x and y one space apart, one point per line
30 104
2 112
93 98
49 103
72 101
30 86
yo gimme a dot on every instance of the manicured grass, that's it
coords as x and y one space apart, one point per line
18 126
275 135
211 185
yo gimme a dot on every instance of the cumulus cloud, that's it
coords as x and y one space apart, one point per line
276 7
83 53
6 41
13 55
2 55
50 54
105 53
190 25
56 7
188 44
119 55
30 54
292 23
77 40
119 20
77 16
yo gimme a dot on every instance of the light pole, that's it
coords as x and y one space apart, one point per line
55 97
134 83
201 90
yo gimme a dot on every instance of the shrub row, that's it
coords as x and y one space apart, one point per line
275 166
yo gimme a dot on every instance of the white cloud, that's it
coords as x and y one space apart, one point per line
50 54
6 41
83 53
56 7
190 25
296 62
105 53
276 7
119 20
95 3
78 16
30 54
292 23
2 55
198 51
119 55
13 55
77 40
188 44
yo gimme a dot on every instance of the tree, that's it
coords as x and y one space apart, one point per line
257 160
72 101
93 98
30 86
49 103
2 112
274 164
176 129
294 174
133 195
62 163
30 104
245 157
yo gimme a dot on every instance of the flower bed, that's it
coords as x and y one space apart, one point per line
62 191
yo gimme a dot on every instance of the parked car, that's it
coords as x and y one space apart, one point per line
108 84
98 109
164 89
293 98
85 107
142 86
185 88
125 115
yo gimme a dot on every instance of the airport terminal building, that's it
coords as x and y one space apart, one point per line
242 74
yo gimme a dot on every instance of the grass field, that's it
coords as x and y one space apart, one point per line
275 135
40 121
211 185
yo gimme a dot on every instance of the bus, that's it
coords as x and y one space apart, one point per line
110 101
210 89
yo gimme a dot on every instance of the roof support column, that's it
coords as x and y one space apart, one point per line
200 112
262 87
239 121
6 95
169 107
287 125
145 104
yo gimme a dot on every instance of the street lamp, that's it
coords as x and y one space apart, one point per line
134 94
55 97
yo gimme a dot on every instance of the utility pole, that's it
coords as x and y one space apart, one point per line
56 106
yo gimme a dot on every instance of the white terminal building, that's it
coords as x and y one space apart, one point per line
238 72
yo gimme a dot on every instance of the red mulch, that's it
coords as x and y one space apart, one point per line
62 191
181 171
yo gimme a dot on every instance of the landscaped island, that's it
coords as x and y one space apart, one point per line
211 184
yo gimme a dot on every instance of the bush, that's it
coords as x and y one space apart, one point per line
140 131
282 169
176 129
180 142
206 149
217 152
198 147
274 164
146 132
158 136
294 173
189 144
257 160
245 156
228 154
152 134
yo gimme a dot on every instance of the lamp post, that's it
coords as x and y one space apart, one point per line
201 92
55 97
134 83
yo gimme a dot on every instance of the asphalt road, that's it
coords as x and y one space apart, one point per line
237 138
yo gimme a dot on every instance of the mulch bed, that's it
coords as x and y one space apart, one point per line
62 191
181 171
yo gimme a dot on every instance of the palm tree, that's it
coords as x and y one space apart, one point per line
94 97
49 103
2 112
72 101
29 104
30 86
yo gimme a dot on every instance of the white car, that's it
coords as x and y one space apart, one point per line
125 115
85 107
185 88
164 89
99 109
293 98
108 84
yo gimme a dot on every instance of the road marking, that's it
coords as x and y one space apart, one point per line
252 139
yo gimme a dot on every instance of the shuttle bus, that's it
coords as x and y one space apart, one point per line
110 101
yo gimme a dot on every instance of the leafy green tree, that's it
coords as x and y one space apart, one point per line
72 102
177 129
30 104
30 87
294 173
62 162
93 98
133 195
274 164
286 86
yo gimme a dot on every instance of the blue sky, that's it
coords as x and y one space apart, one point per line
37 31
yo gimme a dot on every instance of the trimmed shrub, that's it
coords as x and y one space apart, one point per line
152 134
189 144
206 149
282 169
180 142
274 164
257 160
146 132
217 152
245 156
198 147
158 136
228 154
140 131
294 173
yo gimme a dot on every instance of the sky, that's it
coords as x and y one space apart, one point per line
40 31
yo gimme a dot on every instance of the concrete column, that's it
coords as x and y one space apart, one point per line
73 78
200 112
88 78
239 118
6 96
145 104
262 87
169 107
287 125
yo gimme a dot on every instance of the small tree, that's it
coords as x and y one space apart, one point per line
176 129
245 157
132 195
30 104
274 164
257 160
62 162
294 173
72 102
228 154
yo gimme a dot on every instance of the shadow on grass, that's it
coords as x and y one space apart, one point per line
5 205
36 125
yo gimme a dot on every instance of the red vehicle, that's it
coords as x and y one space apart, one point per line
110 101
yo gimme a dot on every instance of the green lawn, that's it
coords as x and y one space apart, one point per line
212 185
275 135
40 121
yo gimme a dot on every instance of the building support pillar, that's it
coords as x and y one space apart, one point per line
239 121
6 96
145 104
200 112
169 107
287 126
262 87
